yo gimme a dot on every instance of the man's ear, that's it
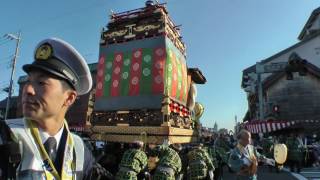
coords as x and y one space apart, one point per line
71 98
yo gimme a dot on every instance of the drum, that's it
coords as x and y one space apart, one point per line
280 153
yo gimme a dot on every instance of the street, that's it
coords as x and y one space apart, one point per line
113 90
264 174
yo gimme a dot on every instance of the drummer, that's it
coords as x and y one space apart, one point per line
244 157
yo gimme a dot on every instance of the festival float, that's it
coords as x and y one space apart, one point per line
144 87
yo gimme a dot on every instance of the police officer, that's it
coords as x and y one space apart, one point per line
133 163
49 150
244 157
169 164
200 165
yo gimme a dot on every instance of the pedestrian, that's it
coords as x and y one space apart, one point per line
222 142
133 163
222 148
316 154
267 149
48 149
200 165
244 157
184 160
216 155
169 164
295 153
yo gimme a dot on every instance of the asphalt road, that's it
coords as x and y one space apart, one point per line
264 174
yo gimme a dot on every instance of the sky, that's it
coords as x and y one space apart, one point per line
223 37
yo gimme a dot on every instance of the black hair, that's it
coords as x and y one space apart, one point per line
136 145
66 85
239 135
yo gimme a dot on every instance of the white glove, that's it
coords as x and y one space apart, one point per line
211 175
247 161
269 161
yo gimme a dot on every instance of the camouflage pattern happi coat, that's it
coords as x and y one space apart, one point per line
199 164
132 162
169 164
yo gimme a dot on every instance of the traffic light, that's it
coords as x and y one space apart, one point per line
276 109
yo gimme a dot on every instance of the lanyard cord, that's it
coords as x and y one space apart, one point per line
73 167
46 160
43 152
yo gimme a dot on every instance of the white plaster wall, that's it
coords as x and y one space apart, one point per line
309 51
316 24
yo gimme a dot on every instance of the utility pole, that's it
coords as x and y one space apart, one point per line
17 38
259 71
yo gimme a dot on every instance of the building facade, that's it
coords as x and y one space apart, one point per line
287 94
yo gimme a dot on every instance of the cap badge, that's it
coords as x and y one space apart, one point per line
44 52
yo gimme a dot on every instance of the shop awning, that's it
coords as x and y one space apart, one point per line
257 126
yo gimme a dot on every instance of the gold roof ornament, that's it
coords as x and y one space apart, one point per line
44 52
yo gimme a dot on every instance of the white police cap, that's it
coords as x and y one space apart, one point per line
59 58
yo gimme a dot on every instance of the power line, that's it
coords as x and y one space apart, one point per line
5 42
5 58
9 64
3 39
6 63
3 85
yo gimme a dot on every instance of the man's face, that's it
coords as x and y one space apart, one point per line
245 139
43 97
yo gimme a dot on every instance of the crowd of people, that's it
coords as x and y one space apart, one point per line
200 160
303 151
208 158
